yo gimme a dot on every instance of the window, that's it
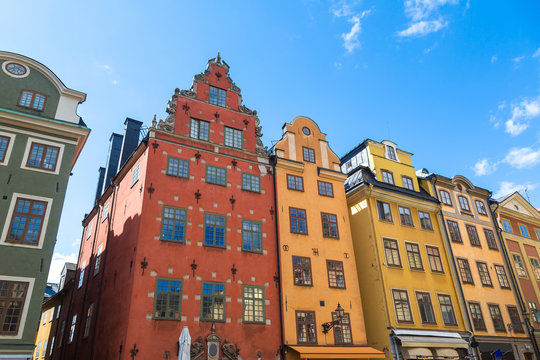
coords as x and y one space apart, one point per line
536 267
173 224
506 225
490 239
413 256
43 156
32 100
168 299
44 352
38 349
45 316
98 259
135 174
447 309
251 236
524 231
325 188
62 329
425 220
309 154
214 230
329 225
295 182
445 197
177 167
537 234
105 213
515 319
480 207
465 271
88 321
233 137
391 153
453 230
4 142
496 317
72 328
336 276
52 315
302 271
483 271
16 69
501 276
385 212
253 300
405 216
473 235
89 231
306 330
464 203
298 220
216 175
52 346
81 275
342 331
520 268
217 96
251 182
58 311
387 176
27 221
199 129
213 302
434 258
407 182
425 308
476 316
401 305
534 311
391 252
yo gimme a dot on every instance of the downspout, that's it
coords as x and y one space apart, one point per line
517 292
273 160
455 273
104 263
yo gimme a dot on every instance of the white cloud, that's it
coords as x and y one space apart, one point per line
115 82
107 68
76 243
338 65
421 13
57 264
537 53
518 59
507 188
350 39
522 113
484 167
493 59
522 157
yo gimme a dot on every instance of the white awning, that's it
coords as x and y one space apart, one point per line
413 353
428 333
432 342
446 353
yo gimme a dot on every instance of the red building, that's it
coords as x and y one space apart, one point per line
184 236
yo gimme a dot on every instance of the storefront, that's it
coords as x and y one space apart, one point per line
333 352
420 344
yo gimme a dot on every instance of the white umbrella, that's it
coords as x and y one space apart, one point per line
185 344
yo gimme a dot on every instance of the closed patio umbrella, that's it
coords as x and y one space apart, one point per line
185 344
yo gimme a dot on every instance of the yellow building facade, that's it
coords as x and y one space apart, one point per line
489 295
44 341
411 304
317 264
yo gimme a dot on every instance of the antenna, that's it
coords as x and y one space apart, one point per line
527 195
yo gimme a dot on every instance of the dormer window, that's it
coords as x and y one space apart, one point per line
218 96
391 153
32 100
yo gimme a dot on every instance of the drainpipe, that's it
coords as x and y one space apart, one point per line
454 269
394 345
273 160
517 292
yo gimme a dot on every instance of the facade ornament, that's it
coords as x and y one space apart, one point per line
197 349
202 76
168 124
246 110
230 351
188 93
259 146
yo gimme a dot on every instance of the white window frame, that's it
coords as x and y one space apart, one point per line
24 314
81 275
45 142
135 174
105 213
9 217
9 147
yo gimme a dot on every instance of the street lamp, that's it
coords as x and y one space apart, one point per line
327 326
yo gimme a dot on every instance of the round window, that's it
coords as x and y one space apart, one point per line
16 69
306 131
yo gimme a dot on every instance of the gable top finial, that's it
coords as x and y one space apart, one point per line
218 59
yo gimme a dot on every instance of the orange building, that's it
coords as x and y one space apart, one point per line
318 268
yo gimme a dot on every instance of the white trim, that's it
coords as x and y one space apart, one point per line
40 141
38 134
11 137
26 303
41 239
7 62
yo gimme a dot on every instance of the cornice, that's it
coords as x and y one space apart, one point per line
332 174
290 164
518 215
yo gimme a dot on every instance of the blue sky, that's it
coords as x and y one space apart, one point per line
455 82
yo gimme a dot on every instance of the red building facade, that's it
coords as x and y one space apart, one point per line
184 236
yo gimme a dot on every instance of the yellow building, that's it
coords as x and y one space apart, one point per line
317 265
411 304
484 278
44 344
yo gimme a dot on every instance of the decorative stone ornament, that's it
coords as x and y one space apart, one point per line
212 346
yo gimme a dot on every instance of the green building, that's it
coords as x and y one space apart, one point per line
41 137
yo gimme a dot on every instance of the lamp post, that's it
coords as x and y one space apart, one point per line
327 326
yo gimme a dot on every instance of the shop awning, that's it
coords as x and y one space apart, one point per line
413 353
338 352
432 342
446 353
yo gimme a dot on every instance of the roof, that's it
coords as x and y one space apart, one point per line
363 176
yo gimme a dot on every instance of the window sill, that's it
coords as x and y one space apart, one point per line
304 285
252 252
212 320
331 237
173 241
178 176
407 225
251 191
254 322
215 246
468 213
